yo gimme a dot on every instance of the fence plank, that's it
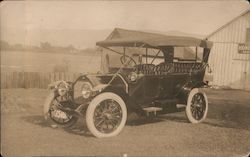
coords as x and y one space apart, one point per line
13 84
33 79
9 79
3 80
21 79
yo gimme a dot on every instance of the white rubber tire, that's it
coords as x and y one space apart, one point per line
90 114
188 107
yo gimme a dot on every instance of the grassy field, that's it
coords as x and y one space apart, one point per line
225 132
48 62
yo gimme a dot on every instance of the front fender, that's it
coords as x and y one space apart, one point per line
117 90
130 103
55 84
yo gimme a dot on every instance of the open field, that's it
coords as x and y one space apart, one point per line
47 62
226 131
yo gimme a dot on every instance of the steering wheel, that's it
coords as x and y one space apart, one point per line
126 62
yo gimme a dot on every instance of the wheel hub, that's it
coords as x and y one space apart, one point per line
198 105
108 116
60 114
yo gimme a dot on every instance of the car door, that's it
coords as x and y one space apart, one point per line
152 87
167 86
171 84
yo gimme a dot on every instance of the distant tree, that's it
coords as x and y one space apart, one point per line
34 47
45 46
63 67
18 47
4 45
71 49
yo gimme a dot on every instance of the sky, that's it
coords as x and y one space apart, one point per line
23 18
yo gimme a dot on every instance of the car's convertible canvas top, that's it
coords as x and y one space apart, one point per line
131 38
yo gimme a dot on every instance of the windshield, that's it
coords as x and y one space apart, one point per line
188 54
148 55
151 56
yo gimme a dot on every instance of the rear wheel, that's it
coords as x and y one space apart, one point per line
197 106
106 115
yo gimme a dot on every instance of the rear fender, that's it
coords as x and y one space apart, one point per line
184 91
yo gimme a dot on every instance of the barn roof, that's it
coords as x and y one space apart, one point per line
223 26
131 38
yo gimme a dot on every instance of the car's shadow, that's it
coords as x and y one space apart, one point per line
213 119
77 129
147 120
36 119
171 115
80 127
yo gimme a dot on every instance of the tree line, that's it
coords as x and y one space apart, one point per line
44 47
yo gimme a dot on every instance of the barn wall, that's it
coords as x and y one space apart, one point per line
230 68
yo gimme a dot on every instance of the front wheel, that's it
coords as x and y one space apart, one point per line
197 106
61 118
106 115
57 116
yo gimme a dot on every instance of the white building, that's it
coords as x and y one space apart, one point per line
230 55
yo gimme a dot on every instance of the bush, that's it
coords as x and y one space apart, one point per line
63 67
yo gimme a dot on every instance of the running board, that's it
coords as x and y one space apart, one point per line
151 109
166 101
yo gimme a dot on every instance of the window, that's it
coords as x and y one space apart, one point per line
244 48
188 53
153 56
248 35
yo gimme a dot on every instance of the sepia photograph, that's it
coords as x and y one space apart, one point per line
123 78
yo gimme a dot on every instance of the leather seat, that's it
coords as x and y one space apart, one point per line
163 68
166 68
145 68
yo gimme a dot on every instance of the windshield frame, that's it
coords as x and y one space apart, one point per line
164 50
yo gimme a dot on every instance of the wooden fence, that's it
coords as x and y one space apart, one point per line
33 79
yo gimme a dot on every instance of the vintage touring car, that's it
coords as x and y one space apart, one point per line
157 71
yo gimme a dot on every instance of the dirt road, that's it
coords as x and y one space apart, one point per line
225 132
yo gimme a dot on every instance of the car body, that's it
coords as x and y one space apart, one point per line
138 85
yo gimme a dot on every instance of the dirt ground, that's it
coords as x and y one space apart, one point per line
225 132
